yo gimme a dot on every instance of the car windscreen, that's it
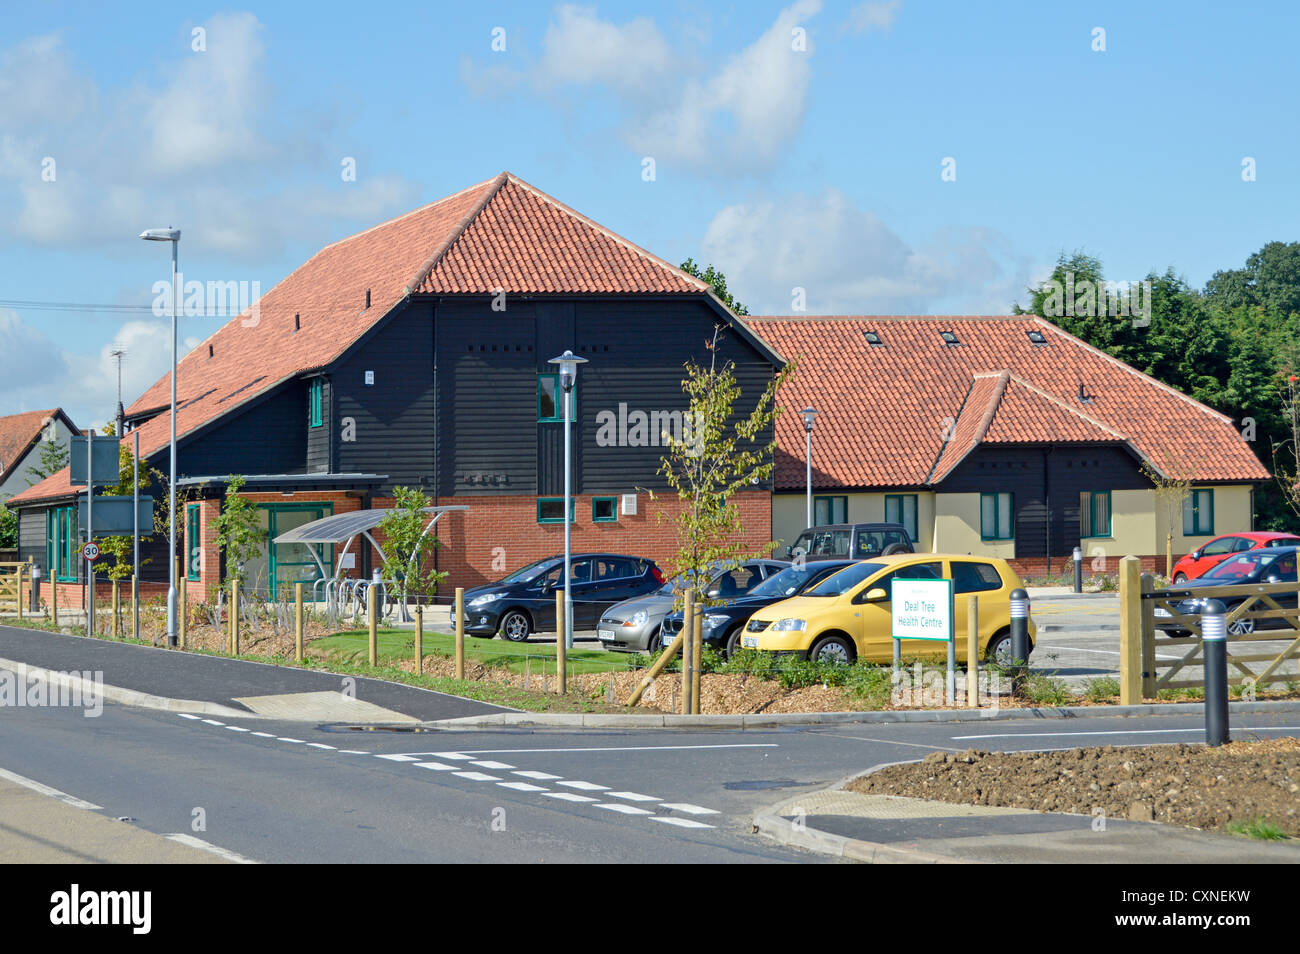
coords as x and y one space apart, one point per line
1240 567
845 580
786 583
526 574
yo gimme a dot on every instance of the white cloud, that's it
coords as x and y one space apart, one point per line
581 48
849 261
873 16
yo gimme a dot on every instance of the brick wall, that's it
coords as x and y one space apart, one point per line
1038 566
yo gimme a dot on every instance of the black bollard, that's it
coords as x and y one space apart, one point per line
1019 636
1078 570
1214 644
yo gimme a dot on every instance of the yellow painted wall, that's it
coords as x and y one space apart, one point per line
957 528
1133 531
789 515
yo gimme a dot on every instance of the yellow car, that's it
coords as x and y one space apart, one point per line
848 615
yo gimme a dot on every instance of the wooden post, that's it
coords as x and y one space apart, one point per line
973 652
135 606
1148 640
697 657
182 607
460 632
561 651
688 644
665 657
117 606
54 598
1130 631
234 617
419 638
18 597
297 622
372 624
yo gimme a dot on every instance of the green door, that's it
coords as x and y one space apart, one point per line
283 564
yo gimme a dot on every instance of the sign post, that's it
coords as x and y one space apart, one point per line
923 609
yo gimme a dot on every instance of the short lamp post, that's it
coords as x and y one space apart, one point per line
173 236
568 364
809 415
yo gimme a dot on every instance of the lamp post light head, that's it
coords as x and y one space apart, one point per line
161 235
809 415
568 363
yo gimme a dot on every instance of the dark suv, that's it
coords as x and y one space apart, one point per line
524 602
851 541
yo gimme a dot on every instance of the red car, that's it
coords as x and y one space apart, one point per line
1198 562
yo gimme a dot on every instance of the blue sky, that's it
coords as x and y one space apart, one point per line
812 163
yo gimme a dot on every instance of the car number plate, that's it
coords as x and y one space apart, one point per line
605 635
749 642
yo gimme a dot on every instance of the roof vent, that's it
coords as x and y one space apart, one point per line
1037 337
1084 396
949 338
367 297
209 351
297 323
873 338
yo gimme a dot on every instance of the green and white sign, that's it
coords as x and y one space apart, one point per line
922 609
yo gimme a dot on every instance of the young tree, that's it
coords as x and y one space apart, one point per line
122 548
716 458
8 528
409 547
239 532
718 281
54 457
1173 482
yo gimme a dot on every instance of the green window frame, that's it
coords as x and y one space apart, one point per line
274 557
997 516
193 542
550 400
835 509
316 402
1094 514
62 540
613 513
1198 513
902 508
573 509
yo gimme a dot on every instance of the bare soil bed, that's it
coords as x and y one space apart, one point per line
1242 782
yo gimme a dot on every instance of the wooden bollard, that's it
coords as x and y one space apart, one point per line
688 646
561 649
297 622
419 638
182 607
54 598
697 657
973 652
117 610
234 618
135 606
19 596
460 632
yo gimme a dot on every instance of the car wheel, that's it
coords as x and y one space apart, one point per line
833 649
998 650
1241 627
896 548
515 626
1180 579
733 640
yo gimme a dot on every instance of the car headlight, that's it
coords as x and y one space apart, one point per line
796 625
639 618
1162 613
483 600
712 620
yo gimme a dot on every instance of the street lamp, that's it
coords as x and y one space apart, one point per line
809 415
173 236
568 363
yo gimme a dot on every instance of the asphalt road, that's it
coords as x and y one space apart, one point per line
301 793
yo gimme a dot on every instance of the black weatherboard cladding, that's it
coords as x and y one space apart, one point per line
270 437
1059 472
320 438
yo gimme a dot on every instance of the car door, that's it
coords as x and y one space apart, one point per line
1213 553
876 620
613 581
1283 570
980 579
580 589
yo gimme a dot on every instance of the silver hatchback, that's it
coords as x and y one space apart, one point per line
633 625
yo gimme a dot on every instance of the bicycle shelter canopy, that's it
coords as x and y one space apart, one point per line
343 528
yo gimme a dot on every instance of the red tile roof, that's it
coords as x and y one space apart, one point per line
502 234
18 432
905 412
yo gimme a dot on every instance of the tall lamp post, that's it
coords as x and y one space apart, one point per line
173 236
568 363
809 415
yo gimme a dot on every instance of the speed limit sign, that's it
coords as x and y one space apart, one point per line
91 551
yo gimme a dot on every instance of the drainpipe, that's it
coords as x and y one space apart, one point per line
1047 506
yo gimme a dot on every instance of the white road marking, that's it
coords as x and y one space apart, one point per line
680 822
634 797
352 752
570 797
265 735
478 776
625 809
587 786
688 808
522 786
436 766
213 722
1052 735
321 745
616 748
1104 652
36 786
294 741
454 756
398 758
237 728
226 853
186 715
539 776
487 764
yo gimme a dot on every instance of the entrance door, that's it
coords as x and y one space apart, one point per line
284 564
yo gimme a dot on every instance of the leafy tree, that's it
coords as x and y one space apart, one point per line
719 283
1271 279
54 457
410 548
122 548
239 532
8 528
719 455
